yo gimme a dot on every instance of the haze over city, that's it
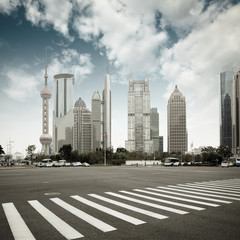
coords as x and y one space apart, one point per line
185 43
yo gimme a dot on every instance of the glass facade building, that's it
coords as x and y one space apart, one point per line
82 131
96 121
225 109
177 131
139 138
154 128
235 113
63 111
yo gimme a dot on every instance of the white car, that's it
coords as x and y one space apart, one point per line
85 164
67 164
224 164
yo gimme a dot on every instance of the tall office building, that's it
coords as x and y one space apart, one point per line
160 144
96 121
235 113
63 111
139 138
45 138
82 131
225 109
106 113
177 131
154 128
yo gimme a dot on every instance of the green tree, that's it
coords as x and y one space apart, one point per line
30 151
224 151
65 151
1 150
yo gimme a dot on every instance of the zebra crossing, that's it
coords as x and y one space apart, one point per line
159 203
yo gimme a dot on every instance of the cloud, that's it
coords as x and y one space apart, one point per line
21 85
70 61
55 12
7 6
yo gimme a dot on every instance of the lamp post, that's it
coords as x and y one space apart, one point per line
105 149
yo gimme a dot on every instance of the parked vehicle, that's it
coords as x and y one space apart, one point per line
224 164
67 164
237 161
170 161
56 164
85 164
76 164
47 162
62 163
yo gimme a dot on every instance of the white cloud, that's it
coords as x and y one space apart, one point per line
70 61
7 6
55 12
21 84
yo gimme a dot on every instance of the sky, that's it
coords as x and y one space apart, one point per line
174 42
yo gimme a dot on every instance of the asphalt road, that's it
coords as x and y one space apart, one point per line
47 188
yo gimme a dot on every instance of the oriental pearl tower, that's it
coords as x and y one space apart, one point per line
45 138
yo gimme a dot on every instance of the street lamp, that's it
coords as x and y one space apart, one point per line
105 149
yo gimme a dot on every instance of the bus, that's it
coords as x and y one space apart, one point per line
170 161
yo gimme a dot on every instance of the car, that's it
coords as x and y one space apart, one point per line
61 163
76 164
224 164
85 164
67 164
56 164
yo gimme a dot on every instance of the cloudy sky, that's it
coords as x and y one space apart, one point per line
183 42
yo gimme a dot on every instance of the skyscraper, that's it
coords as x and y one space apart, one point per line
177 131
154 127
45 138
82 131
106 113
139 138
225 109
235 113
96 121
63 111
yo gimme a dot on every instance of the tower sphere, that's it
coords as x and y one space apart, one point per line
46 139
46 93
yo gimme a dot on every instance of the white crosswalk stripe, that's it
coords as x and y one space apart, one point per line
130 207
199 193
215 186
18 227
177 198
148 203
191 196
164 201
206 190
66 230
84 216
219 189
109 211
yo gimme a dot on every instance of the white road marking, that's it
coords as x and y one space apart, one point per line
66 230
202 189
199 193
164 201
187 195
109 211
147 203
130 207
18 227
214 186
177 198
84 216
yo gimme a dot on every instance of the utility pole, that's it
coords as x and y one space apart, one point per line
105 149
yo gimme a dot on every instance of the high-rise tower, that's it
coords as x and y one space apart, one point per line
154 126
45 138
139 138
106 113
177 131
82 131
236 113
225 109
96 121
63 111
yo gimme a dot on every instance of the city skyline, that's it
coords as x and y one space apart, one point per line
166 41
